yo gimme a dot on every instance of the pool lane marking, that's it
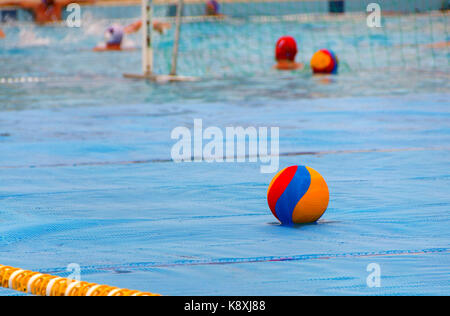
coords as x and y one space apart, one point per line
286 154
145 266
24 80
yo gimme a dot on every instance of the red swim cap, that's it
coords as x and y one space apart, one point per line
286 48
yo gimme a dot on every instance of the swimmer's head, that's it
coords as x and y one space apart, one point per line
286 49
212 7
114 35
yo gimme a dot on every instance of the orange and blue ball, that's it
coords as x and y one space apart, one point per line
298 195
212 7
324 61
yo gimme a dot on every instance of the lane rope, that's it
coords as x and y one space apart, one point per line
13 80
25 80
48 285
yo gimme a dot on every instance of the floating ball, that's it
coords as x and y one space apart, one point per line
286 48
298 194
324 61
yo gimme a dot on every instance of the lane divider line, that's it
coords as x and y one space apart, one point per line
285 154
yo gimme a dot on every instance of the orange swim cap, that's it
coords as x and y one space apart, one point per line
286 48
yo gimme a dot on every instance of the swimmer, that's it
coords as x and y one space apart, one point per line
44 11
212 8
438 45
158 26
115 33
2 35
285 52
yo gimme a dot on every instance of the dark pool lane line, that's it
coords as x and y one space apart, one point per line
146 266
